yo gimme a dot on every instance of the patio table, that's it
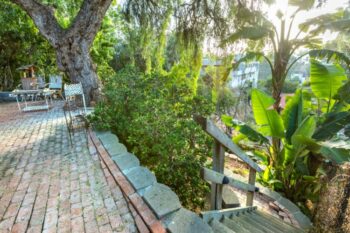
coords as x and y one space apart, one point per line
25 93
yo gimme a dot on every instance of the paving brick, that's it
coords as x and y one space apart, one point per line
19 227
24 213
76 210
51 219
29 198
12 210
37 217
77 225
6 224
50 186
34 229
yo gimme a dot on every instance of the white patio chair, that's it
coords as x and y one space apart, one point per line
73 90
55 85
72 112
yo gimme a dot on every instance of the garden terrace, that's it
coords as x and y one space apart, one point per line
95 185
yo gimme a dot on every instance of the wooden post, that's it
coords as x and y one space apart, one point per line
251 180
218 166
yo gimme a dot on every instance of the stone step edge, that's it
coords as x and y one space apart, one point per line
140 224
173 216
137 202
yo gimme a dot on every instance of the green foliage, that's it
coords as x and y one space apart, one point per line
152 115
294 167
65 10
302 4
21 44
334 122
288 87
292 115
244 129
326 79
269 121
103 48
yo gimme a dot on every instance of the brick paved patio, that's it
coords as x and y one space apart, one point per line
48 186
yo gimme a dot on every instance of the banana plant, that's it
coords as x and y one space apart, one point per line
330 86
257 27
296 162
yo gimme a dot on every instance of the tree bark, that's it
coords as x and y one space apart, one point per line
75 60
73 44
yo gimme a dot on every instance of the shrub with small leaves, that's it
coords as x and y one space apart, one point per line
153 116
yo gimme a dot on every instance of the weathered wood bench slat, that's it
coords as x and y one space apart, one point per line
220 178
209 127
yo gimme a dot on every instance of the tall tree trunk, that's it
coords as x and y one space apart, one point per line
278 78
74 59
73 44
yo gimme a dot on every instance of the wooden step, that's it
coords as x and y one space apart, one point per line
233 225
218 227
246 220
269 224
243 222
278 222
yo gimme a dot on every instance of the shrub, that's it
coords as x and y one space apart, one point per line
152 116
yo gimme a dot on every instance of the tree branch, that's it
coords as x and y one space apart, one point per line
43 17
89 19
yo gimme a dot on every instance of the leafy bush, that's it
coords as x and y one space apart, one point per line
152 115
288 87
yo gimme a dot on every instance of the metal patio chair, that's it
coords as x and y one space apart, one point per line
55 85
74 108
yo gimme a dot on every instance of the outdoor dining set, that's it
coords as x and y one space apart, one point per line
34 94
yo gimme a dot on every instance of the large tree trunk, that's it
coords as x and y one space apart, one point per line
73 44
332 214
75 60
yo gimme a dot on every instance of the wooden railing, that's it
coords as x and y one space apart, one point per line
216 176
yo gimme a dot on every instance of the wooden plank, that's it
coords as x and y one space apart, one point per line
213 176
219 178
251 180
209 127
218 166
218 214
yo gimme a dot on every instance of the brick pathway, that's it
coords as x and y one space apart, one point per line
48 186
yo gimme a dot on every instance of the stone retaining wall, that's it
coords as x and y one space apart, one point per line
140 186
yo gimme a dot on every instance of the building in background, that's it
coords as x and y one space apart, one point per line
247 74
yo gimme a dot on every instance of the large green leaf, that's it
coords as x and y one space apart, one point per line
306 143
244 129
267 118
336 154
304 131
326 79
344 92
329 55
333 123
292 114
250 33
322 22
302 4
250 56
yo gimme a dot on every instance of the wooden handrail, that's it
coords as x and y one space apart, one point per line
209 127
220 178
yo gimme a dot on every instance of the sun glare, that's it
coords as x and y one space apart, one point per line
282 6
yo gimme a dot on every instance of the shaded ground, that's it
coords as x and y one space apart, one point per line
47 185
